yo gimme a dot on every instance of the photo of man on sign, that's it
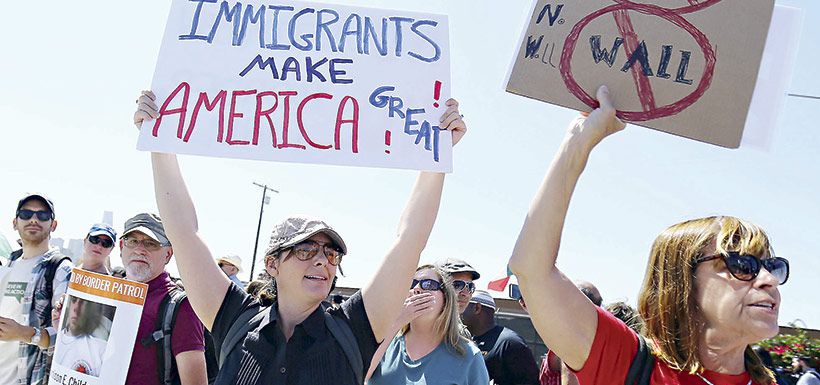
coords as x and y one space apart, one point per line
85 328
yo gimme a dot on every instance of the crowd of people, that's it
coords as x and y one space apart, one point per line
710 293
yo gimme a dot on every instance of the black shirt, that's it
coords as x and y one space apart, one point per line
508 358
311 355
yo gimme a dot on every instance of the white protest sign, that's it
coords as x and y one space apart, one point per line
98 329
302 82
774 77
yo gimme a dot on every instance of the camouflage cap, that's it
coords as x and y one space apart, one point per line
297 229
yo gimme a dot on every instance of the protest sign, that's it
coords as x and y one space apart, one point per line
97 330
682 67
774 78
302 82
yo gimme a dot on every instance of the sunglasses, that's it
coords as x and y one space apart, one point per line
148 244
460 285
427 284
305 251
42 216
746 267
97 240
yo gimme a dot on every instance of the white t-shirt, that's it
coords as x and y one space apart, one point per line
83 354
13 284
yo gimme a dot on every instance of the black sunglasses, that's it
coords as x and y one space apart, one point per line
427 284
97 240
746 267
460 285
42 216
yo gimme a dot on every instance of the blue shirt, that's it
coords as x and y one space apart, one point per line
442 366
236 280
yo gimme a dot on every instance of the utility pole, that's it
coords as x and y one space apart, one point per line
265 200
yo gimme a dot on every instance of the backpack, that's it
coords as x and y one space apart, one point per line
640 370
251 318
167 367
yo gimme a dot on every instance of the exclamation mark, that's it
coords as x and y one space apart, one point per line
436 93
387 141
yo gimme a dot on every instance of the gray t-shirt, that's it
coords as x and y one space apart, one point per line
440 367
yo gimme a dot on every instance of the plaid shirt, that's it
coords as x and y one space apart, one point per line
34 363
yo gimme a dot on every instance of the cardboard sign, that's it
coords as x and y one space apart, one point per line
98 329
683 67
302 82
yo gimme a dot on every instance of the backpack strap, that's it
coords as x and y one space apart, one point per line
640 370
344 336
248 320
251 318
52 265
167 314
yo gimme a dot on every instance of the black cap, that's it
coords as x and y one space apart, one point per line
148 224
454 265
40 197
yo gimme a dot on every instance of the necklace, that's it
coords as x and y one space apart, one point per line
710 382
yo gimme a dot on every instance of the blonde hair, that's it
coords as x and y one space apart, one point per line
667 301
448 325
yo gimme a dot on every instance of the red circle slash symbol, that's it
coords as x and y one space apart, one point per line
620 12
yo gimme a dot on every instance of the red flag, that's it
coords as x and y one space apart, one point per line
498 284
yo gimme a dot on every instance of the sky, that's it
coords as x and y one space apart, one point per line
70 73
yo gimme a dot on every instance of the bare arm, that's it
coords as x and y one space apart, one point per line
564 318
383 295
414 306
191 367
205 283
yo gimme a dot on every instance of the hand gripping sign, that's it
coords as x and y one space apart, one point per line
302 82
684 67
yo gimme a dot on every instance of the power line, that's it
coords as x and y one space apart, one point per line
805 96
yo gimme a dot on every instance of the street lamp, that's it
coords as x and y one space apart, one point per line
265 200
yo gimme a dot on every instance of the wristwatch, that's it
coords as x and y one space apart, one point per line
35 339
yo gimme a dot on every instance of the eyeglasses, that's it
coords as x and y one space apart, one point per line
460 285
746 267
427 284
305 251
148 244
42 216
105 242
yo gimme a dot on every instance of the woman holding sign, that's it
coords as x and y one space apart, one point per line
710 291
297 340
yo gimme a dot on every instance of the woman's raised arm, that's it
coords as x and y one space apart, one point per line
564 318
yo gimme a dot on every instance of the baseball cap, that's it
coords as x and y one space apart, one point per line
455 265
148 224
299 228
103 229
39 197
231 259
484 298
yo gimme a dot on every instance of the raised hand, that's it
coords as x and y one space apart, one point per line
451 120
146 108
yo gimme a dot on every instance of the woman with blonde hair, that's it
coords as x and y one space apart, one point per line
710 291
430 347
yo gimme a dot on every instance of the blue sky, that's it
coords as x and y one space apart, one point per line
70 73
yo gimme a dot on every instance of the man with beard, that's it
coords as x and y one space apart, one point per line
30 286
145 251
